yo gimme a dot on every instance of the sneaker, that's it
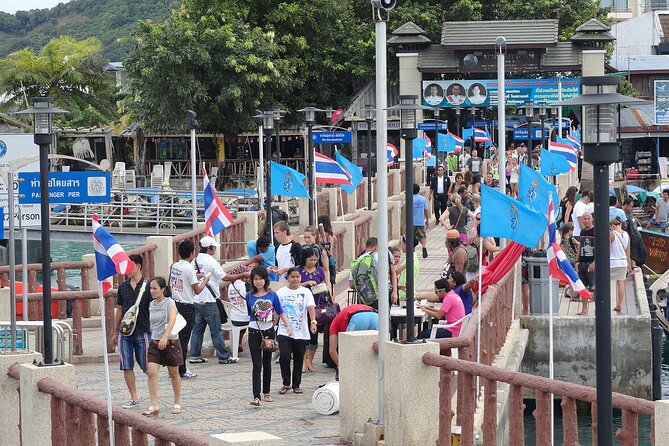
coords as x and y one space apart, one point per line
189 375
130 404
425 253
228 361
197 360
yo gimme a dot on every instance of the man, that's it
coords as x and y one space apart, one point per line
451 309
260 252
452 162
185 284
475 96
135 346
615 211
206 309
354 317
580 208
638 251
457 254
288 251
456 97
586 257
421 216
465 198
661 211
436 95
372 249
439 186
474 165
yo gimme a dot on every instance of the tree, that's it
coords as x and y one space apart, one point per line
69 71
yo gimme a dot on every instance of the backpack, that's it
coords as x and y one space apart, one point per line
472 263
364 277
129 321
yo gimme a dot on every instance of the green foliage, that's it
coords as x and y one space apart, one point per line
627 88
69 71
108 20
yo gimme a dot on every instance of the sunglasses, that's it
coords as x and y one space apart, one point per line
438 290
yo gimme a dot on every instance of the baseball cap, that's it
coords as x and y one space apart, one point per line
207 242
452 234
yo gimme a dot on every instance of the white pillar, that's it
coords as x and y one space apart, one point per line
9 395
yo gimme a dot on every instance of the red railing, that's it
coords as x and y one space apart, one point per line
627 434
361 195
338 247
323 200
362 233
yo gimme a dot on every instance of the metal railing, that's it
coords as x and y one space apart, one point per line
62 337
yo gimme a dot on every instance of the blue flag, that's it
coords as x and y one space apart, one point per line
354 171
467 133
287 181
502 216
553 164
533 189
419 145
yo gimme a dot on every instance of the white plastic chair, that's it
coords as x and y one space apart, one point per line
157 175
130 180
118 175
443 324
234 330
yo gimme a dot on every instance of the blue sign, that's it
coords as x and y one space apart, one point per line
340 137
67 187
661 102
483 123
429 125
520 134
2 227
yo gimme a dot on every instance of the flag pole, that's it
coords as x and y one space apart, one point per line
550 331
478 328
341 202
106 362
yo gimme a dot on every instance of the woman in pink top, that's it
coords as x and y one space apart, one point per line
452 309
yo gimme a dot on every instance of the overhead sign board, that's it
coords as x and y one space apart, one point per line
338 137
13 147
520 134
67 187
429 125
661 102
390 125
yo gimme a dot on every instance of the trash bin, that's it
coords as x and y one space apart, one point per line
537 266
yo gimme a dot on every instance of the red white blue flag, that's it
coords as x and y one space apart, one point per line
566 150
427 153
329 171
481 135
110 258
575 138
391 153
216 215
559 267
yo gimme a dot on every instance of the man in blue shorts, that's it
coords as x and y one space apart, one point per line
135 346
356 317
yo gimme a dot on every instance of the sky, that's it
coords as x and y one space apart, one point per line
11 6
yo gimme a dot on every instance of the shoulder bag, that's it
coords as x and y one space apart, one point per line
326 312
129 321
267 344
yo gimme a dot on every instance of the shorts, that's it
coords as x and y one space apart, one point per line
619 273
171 356
131 347
476 178
364 320
587 277
419 232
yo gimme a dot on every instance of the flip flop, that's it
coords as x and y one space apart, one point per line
151 411
255 402
176 410
284 390
298 390
268 398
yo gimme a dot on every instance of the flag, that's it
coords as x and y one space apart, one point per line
336 115
450 142
427 152
502 216
328 171
110 258
566 150
481 135
216 215
575 138
467 133
533 189
391 153
354 173
559 267
553 163
419 147
287 182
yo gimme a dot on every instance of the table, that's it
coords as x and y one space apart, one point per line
398 316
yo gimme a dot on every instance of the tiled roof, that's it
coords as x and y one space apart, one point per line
518 33
437 58
563 56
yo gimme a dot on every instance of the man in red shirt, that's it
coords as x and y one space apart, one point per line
356 317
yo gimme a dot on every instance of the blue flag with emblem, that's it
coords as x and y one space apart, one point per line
553 164
533 189
287 182
502 216
354 171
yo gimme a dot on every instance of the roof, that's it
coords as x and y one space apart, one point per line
436 58
639 119
409 33
641 64
563 57
591 31
483 34
593 26
114 66
664 24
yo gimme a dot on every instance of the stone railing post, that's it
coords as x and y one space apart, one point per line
398 221
351 202
397 182
251 226
9 395
661 419
349 241
4 304
334 203
35 405
358 382
163 257
92 284
411 391
303 204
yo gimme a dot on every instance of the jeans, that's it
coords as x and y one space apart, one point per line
296 347
262 361
439 204
188 312
207 315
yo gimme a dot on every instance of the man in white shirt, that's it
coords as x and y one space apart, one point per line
580 208
457 95
436 94
206 309
439 186
661 211
185 284
288 252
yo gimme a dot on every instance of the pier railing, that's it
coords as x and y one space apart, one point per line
232 241
362 233
543 388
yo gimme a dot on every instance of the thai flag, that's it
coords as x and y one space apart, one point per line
427 153
391 153
216 215
481 135
566 150
575 139
457 142
329 171
559 267
110 258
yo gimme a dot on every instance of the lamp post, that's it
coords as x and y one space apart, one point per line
529 115
192 121
472 110
500 43
599 100
542 118
458 109
370 111
43 112
310 118
435 143
267 117
328 115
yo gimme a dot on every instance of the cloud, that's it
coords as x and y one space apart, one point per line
26 5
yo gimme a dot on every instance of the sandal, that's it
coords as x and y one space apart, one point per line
151 411
176 410
284 390
298 390
268 398
255 402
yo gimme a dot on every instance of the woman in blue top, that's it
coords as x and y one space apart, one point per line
459 284
264 307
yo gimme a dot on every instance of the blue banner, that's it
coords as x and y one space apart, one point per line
661 102
520 134
429 125
67 187
339 137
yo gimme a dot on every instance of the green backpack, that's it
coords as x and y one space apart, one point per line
364 277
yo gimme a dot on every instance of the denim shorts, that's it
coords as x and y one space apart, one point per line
135 346
364 320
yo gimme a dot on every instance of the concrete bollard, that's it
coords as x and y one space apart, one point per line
251 226
334 203
662 419
9 395
398 221
35 405
163 256
92 284
4 304
411 391
358 382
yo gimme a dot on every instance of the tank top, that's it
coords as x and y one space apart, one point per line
618 246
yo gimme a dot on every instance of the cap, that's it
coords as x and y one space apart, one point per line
452 234
207 242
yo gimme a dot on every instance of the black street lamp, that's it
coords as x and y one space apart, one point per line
472 110
310 118
267 119
370 113
600 100
458 109
407 108
43 112
435 143
529 115
542 118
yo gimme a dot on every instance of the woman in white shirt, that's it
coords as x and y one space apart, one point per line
297 303
620 262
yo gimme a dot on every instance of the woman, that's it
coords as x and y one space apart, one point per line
514 175
459 181
462 287
263 307
457 217
298 305
489 245
567 205
620 261
165 349
401 265
312 240
328 239
312 275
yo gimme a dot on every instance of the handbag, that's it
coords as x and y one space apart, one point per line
267 344
129 321
179 324
325 313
